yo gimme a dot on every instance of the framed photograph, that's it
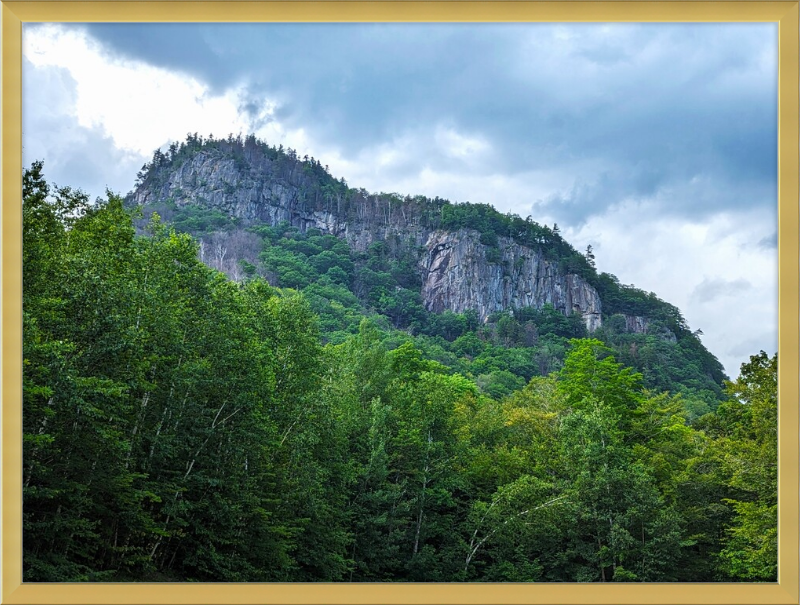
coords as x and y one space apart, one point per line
400 302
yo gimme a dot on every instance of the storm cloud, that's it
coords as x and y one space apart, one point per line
654 143
541 96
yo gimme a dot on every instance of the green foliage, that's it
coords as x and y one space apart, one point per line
751 552
200 220
747 425
550 321
591 374
178 426
165 408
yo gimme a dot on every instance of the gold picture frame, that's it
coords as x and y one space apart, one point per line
785 14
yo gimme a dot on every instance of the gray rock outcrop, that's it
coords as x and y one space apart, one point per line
457 271
457 275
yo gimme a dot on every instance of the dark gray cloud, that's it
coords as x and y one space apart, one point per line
710 289
682 115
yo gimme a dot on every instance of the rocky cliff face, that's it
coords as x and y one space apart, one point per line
457 271
256 190
254 194
458 275
636 324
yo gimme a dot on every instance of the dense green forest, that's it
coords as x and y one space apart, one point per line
343 286
310 421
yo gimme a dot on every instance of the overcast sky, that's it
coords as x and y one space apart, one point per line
654 143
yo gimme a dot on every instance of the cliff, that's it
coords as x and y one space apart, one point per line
457 275
459 269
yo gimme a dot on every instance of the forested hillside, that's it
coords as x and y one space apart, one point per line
312 421
258 210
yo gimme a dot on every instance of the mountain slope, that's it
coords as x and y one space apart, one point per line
181 426
405 255
460 267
